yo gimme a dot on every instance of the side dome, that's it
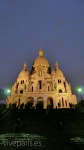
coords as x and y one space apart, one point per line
58 72
41 60
24 72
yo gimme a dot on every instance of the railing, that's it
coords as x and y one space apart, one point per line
2 116
80 108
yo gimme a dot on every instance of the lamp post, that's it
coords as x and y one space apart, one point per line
8 92
80 93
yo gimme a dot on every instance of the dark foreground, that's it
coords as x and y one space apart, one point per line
61 129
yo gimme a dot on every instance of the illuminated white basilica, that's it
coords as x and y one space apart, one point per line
43 87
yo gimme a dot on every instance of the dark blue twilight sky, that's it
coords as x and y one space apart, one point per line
57 26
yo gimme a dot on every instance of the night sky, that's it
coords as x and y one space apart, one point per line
56 26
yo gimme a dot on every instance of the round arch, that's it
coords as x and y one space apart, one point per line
50 102
30 102
40 103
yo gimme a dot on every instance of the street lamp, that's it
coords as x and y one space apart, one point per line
8 91
80 93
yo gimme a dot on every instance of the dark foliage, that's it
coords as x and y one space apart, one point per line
2 94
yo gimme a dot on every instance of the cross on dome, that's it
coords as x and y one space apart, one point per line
40 52
56 65
25 66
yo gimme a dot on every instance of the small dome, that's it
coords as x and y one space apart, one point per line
58 71
41 60
24 72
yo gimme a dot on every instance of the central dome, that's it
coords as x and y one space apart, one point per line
41 60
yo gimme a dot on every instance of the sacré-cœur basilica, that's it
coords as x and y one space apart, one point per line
42 87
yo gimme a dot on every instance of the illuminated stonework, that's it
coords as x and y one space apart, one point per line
41 88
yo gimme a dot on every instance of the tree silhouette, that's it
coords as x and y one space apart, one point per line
2 94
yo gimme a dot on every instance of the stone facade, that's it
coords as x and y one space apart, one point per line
41 88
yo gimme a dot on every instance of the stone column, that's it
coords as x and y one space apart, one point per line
45 102
35 101
54 104
45 105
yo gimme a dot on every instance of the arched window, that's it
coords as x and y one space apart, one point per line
62 102
48 88
40 84
32 88
59 102
60 91
59 81
22 81
65 102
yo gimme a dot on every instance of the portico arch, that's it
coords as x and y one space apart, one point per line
50 102
30 102
40 103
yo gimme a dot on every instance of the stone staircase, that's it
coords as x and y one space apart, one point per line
36 126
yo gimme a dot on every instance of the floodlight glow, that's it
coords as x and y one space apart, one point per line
79 90
8 91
